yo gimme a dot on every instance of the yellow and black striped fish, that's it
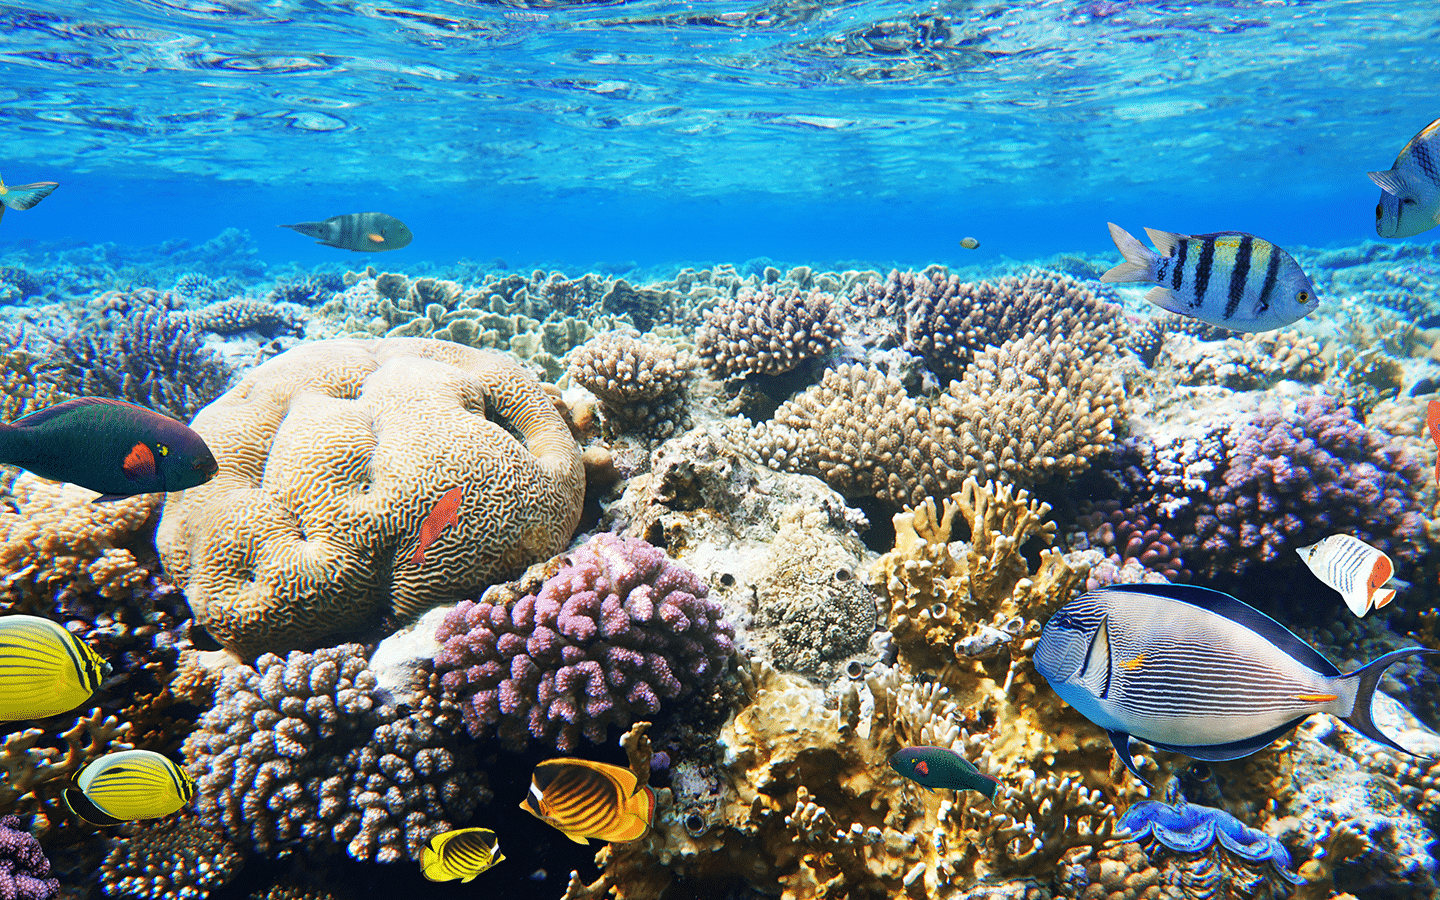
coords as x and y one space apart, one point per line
44 669
368 232
23 196
129 785
1230 279
461 854
585 799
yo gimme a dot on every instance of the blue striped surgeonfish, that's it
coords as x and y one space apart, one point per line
585 799
1195 671
1410 190
1229 279
461 854
368 232
129 785
44 669
24 196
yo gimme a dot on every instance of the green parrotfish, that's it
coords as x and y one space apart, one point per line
368 232
940 767
24 196
110 446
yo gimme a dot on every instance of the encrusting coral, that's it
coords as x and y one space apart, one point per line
640 382
24 870
332 454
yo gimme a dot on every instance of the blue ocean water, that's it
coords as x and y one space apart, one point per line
651 132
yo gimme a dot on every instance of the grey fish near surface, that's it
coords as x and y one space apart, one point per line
24 196
368 232
1410 190
1198 672
1229 279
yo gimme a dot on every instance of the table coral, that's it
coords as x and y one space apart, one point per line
640 382
303 750
169 859
614 631
332 454
24 870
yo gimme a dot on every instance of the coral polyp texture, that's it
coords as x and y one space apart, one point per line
640 382
24 870
332 454
168 859
768 331
615 631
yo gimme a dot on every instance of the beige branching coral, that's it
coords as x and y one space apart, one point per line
31 759
768 331
640 382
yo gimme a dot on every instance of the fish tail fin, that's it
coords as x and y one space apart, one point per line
1368 678
418 557
309 229
1139 264
1384 596
1358 599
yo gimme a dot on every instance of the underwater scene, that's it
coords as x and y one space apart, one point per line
715 450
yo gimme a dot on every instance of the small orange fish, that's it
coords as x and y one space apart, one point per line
443 514
1432 419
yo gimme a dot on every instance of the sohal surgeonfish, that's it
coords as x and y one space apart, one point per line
23 196
110 446
585 799
369 232
129 785
941 767
1410 190
44 669
442 515
1229 279
461 854
1197 672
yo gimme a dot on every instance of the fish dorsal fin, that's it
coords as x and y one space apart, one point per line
1096 673
1390 182
1241 613
41 416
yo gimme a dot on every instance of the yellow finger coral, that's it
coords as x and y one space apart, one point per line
331 456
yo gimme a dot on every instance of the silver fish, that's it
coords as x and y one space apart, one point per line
1230 279
1410 190
369 232
1197 672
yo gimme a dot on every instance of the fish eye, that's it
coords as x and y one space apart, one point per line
1409 201
162 449
1303 296
1379 211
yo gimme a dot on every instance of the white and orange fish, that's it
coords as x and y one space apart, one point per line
1354 568
1432 421
443 514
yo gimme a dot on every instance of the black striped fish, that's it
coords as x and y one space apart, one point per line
368 232
1354 568
585 799
1229 279
24 196
129 785
461 854
44 669
1410 191
1197 672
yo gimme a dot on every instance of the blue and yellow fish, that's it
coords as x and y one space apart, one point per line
1410 189
585 799
461 854
1230 279
129 785
1196 671
44 669
23 196
941 767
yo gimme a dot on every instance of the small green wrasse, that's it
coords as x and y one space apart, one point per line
129 785
1229 279
940 767
1410 191
585 799
461 854
24 196
369 232
44 669
1195 671
110 446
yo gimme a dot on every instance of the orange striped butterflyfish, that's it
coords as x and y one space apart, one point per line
1354 568
585 799
129 785
44 669
461 854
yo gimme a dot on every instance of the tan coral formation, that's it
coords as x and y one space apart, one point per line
639 381
332 454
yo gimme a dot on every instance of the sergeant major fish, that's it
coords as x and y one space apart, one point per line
23 196
1197 672
941 767
369 232
1229 279
1410 190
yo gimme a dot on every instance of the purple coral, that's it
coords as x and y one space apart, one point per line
1130 538
619 628
24 870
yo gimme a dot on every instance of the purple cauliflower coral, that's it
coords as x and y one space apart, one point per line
24 870
619 628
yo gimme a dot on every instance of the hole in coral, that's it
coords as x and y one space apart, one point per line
843 574
695 824
727 580
854 670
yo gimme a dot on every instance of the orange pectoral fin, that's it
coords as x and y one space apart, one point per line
1317 698
139 462
376 238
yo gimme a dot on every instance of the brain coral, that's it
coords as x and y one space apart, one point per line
332 454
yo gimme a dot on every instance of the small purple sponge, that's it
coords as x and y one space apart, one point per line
617 629
24 870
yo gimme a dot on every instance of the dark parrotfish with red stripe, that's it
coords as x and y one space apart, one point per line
941 767
110 446
1197 672
368 232
1229 279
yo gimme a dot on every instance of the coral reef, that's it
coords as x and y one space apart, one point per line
332 454
24 870
1248 362
766 332
304 750
614 631
243 314
640 382
168 859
